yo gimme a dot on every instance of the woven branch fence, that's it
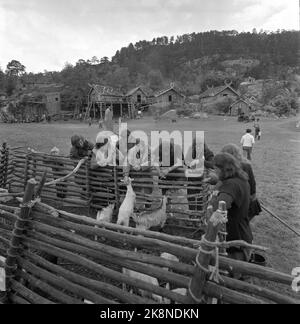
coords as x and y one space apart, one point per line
70 259
96 189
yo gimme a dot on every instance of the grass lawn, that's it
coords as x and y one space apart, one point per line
275 162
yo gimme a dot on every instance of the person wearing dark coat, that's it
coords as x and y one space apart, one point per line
255 207
234 190
81 148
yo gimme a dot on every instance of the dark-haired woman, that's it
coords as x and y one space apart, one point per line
234 189
255 207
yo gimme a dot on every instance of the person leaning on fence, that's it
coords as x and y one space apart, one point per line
196 203
81 148
248 142
103 157
254 208
234 189
170 163
134 156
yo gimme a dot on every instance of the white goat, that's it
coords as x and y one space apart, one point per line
146 220
127 207
145 278
180 291
105 215
169 257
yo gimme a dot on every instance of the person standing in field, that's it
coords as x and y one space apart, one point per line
248 142
257 130
108 120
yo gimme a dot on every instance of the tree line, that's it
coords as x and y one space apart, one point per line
193 61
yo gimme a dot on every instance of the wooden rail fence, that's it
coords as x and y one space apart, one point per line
56 259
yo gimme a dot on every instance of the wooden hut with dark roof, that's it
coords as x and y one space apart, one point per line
137 96
241 107
217 93
169 97
101 97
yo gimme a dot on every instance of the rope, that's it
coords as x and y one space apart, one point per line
197 300
228 245
31 203
214 271
280 220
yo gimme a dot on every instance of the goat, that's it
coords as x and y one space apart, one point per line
169 257
145 278
127 207
180 291
105 215
146 220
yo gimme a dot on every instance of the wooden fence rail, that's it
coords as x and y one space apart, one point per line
96 189
54 257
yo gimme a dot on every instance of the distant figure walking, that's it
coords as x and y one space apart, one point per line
248 142
257 130
108 121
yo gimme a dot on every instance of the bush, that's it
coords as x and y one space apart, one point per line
219 107
186 110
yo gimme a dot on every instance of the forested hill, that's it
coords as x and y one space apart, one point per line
192 61
167 55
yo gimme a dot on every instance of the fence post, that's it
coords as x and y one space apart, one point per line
203 259
2 164
19 228
117 193
7 153
1 168
88 182
26 171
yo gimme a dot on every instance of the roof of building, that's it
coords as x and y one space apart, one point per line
162 92
241 100
106 90
133 91
212 92
43 88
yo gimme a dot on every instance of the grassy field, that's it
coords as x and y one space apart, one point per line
275 162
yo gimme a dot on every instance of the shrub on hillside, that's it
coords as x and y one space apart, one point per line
218 107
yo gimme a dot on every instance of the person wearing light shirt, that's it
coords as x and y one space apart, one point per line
248 142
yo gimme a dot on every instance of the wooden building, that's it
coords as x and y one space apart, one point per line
49 95
53 103
102 97
169 97
218 93
241 107
137 96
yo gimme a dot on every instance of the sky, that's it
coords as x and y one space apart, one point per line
45 34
